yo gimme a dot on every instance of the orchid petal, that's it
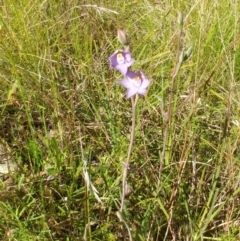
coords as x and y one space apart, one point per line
131 92
145 83
121 60
123 68
125 83
142 91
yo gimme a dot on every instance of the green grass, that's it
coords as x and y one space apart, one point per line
62 113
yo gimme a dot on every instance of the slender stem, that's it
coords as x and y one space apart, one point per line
168 114
88 232
87 220
126 164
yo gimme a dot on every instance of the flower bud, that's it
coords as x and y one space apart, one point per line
188 53
181 57
180 20
122 37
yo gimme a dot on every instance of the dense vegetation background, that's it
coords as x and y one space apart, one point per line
64 118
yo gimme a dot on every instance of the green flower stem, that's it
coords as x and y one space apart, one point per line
126 164
179 61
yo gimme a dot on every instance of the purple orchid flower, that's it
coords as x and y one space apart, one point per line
135 83
121 60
